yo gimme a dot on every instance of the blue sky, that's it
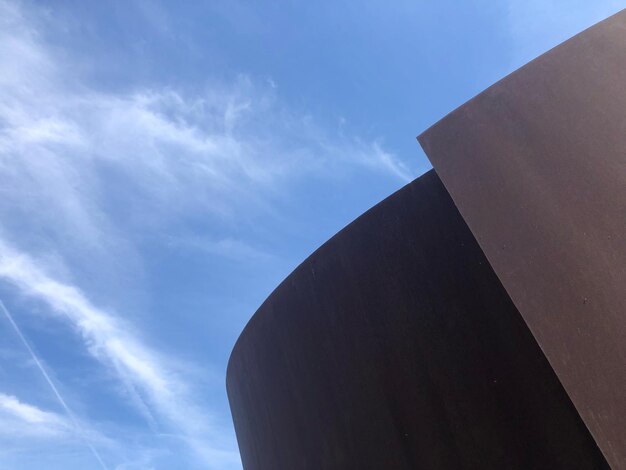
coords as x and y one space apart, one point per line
164 165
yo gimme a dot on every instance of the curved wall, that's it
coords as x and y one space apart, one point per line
394 346
536 165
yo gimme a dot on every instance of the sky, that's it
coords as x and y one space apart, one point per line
164 165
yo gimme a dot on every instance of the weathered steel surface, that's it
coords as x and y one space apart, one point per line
394 346
536 165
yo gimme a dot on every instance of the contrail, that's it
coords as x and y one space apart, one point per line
67 409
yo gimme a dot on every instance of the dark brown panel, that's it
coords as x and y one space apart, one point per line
394 346
537 167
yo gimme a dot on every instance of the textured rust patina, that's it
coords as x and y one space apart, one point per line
536 165
476 319
394 346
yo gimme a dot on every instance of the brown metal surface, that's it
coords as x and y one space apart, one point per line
394 346
536 165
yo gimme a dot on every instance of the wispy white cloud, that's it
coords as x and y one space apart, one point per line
111 341
87 173
34 428
29 412
23 419
166 151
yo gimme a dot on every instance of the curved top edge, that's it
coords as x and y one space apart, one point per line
422 136
255 316
535 166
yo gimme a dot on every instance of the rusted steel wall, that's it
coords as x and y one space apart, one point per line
394 346
536 165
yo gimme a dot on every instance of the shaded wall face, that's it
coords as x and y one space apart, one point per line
394 346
